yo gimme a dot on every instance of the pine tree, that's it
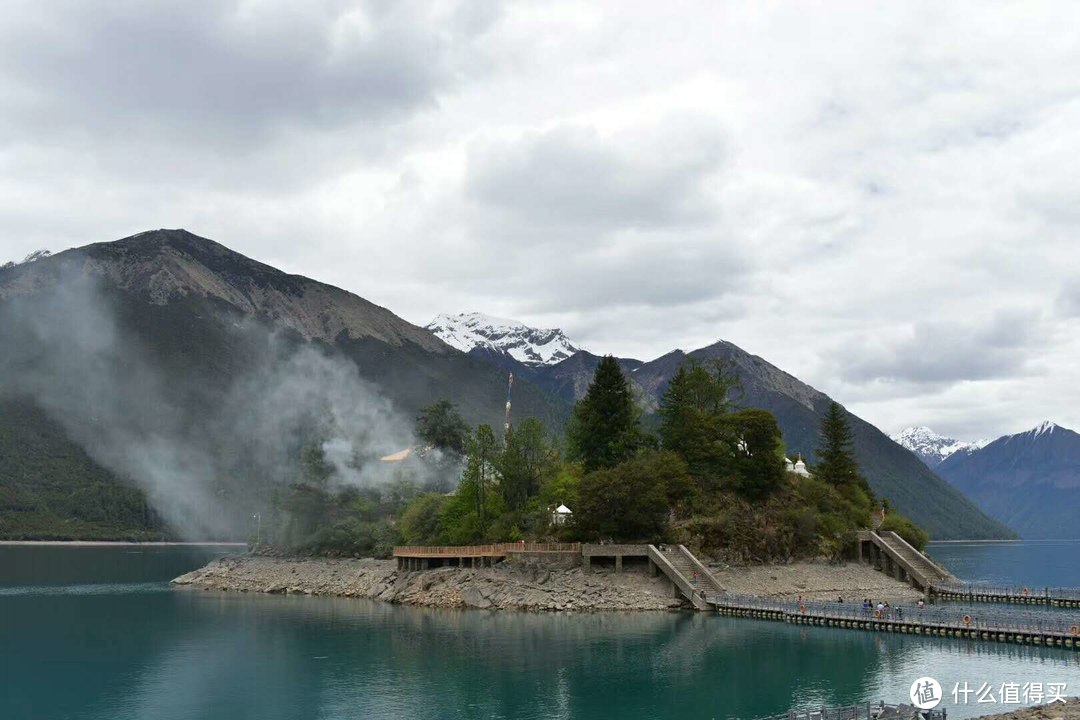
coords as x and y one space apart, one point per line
441 426
479 472
760 458
513 471
538 458
692 420
605 429
836 456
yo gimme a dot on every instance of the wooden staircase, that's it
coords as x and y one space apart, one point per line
892 555
688 575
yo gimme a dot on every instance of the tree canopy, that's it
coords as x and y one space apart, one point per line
525 459
836 455
632 500
759 454
441 426
605 429
692 414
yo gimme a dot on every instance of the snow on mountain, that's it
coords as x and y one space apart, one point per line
36 255
532 346
1044 427
1030 480
932 448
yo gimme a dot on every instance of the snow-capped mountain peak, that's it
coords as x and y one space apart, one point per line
1044 427
532 346
36 255
932 448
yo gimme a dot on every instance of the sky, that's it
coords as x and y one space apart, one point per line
879 198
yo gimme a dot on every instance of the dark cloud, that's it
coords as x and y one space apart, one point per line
944 352
135 82
572 179
1068 300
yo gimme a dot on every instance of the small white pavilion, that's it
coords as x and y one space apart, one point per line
561 515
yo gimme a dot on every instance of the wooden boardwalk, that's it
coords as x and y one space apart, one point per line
992 625
862 711
1008 595
494 550
424 557
1049 626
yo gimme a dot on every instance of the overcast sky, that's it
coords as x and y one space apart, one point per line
881 198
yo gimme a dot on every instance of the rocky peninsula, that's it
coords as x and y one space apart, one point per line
524 585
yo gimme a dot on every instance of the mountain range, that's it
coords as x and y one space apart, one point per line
893 472
492 336
1030 480
932 448
189 321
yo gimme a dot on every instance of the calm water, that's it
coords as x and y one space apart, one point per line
97 633
1035 563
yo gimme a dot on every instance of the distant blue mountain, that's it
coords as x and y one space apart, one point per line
1030 481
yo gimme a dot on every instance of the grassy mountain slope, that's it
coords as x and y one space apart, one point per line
51 490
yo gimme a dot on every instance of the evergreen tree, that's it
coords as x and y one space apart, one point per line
760 453
315 469
605 429
466 517
440 425
692 420
836 456
526 459
479 473
513 473
631 501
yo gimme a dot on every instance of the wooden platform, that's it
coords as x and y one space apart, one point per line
1001 627
424 557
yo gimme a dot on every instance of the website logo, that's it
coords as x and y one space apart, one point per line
925 693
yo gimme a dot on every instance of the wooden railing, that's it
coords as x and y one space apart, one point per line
951 616
484 550
984 592
866 711
677 578
889 535
703 571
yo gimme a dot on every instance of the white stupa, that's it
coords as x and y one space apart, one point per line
798 467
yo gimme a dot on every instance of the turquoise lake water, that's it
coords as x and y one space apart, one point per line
1034 563
93 632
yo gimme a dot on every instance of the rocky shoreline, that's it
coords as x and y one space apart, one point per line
507 586
1054 711
527 586
816 581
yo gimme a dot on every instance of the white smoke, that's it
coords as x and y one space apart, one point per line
65 350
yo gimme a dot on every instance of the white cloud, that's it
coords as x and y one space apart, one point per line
866 195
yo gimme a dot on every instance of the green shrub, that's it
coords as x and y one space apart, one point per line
905 528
